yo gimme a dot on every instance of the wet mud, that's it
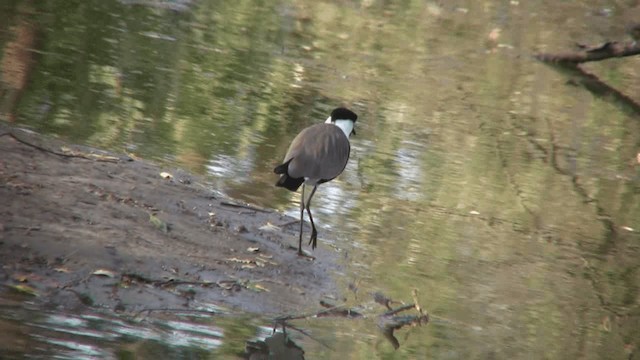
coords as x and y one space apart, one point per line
81 227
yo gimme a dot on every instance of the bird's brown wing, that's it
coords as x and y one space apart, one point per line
318 152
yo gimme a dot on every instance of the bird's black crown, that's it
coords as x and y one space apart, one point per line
343 114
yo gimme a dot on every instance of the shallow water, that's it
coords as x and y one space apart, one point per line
502 189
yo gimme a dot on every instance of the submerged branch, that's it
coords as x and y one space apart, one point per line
388 321
605 51
68 153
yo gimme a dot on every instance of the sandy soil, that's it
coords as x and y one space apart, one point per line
80 227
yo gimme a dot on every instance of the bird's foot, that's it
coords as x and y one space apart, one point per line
313 240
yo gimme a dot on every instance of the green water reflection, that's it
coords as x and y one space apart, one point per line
507 196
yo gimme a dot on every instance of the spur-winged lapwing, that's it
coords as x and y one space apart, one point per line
318 154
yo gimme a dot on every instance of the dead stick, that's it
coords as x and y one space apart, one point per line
289 223
400 309
226 203
414 293
12 135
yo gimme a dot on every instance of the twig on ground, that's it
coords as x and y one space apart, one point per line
249 207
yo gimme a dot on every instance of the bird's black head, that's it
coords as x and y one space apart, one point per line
342 114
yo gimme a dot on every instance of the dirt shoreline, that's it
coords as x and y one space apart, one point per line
87 228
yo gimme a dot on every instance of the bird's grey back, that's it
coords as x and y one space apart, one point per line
319 152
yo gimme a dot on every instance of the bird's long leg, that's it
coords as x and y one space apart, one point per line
314 233
301 220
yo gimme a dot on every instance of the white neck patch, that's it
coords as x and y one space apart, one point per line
345 125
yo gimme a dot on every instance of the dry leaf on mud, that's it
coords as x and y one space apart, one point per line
25 289
104 272
166 175
159 224
257 287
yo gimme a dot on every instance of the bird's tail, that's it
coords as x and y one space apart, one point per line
282 168
289 183
285 180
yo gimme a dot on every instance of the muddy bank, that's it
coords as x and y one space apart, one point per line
86 228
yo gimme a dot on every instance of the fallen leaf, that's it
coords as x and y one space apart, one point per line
133 156
21 278
269 227
227 284
25 289
257 287
159 224
104 272
101 157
